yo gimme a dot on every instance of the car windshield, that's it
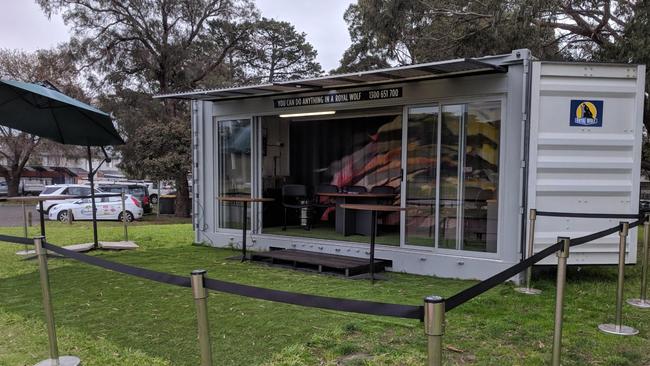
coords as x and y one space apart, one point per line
50 190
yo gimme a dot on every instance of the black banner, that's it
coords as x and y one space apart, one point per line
334 97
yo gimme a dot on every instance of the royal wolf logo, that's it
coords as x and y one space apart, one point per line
586 113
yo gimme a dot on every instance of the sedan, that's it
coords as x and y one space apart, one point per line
108 208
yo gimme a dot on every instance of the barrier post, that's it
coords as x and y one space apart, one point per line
201 300
70 216
30 220
126 233
643 302
54 359
618 328
562 256
24 218
532 217
434 328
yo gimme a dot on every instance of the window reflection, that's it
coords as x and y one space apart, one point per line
450 135
421 170
481 176
234 156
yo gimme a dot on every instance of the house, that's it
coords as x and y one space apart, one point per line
468 146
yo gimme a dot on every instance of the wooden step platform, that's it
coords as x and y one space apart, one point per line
321 262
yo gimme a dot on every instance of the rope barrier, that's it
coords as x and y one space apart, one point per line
481 287
16 240
355 306
323 302
589 215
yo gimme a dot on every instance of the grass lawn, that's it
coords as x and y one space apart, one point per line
107 318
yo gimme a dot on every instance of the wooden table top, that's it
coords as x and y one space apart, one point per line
386 208
360 195
244 199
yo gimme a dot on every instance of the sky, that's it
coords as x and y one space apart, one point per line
24 26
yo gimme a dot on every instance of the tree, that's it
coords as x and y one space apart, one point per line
406 32
275 51
56 67
138 47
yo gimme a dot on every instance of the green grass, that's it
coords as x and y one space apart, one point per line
108 318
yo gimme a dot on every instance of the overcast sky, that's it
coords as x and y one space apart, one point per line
23 25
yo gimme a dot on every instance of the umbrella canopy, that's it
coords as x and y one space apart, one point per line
45 112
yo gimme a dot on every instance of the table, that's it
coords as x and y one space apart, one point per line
348 224
373 209
244 200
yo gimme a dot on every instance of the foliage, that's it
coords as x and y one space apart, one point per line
55 67
275 51
110 318
132 49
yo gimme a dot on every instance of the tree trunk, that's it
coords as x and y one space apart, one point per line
182 203
13 185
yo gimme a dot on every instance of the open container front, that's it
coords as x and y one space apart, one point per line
448 141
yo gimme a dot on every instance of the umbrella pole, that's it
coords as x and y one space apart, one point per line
91 179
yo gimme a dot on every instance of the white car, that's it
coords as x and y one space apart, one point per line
73 190
108 208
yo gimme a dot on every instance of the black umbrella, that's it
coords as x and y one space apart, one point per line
48 113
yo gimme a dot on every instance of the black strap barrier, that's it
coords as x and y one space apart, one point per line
16 239
355 306
314 301
589 215
122 268
323 302
481 287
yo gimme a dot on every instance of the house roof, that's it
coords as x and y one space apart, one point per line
432 70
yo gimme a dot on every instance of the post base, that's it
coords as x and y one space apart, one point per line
63 361
528 290
639 303
623 330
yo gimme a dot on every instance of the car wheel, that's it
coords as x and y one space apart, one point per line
129 217
63 216
154 199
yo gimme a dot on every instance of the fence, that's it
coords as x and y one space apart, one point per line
432 312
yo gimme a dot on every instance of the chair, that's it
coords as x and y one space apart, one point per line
382 190
317 204
294 196
356 189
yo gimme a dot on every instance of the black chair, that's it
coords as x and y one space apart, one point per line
382 190
356 189
294 196
328 203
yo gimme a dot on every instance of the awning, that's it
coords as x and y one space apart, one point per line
433 70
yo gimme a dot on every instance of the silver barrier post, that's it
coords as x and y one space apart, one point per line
531 242
434 328
618 328
54 359
643 301
562 256
126 233
201 300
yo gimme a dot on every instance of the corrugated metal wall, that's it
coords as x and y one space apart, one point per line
585 168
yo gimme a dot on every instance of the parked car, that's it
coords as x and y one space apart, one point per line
3 189
138 190
72 190
108 208
30 187
155 191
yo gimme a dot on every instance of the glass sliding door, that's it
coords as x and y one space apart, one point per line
234 169
451 134
481 177
452 176
421 175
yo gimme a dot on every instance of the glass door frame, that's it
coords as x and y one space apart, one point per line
217 170
440 103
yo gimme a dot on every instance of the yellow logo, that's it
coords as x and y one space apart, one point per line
587 110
